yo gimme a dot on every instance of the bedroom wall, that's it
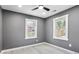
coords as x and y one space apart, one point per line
13 30
73 30
0 29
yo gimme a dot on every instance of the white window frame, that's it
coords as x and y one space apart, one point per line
26 37
66 36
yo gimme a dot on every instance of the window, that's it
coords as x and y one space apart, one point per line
60 27
30 28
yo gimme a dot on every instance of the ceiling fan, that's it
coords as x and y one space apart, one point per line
41 7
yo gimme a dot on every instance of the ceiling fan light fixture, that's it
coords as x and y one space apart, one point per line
40 7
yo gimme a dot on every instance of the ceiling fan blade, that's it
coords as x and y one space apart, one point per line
47 9
35 8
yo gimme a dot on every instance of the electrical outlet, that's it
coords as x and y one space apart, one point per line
36 40
70 45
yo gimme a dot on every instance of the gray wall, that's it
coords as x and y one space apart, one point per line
0 29
73 29
13 30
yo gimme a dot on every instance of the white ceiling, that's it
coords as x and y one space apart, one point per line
27 9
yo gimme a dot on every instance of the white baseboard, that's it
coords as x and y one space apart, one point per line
21 47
